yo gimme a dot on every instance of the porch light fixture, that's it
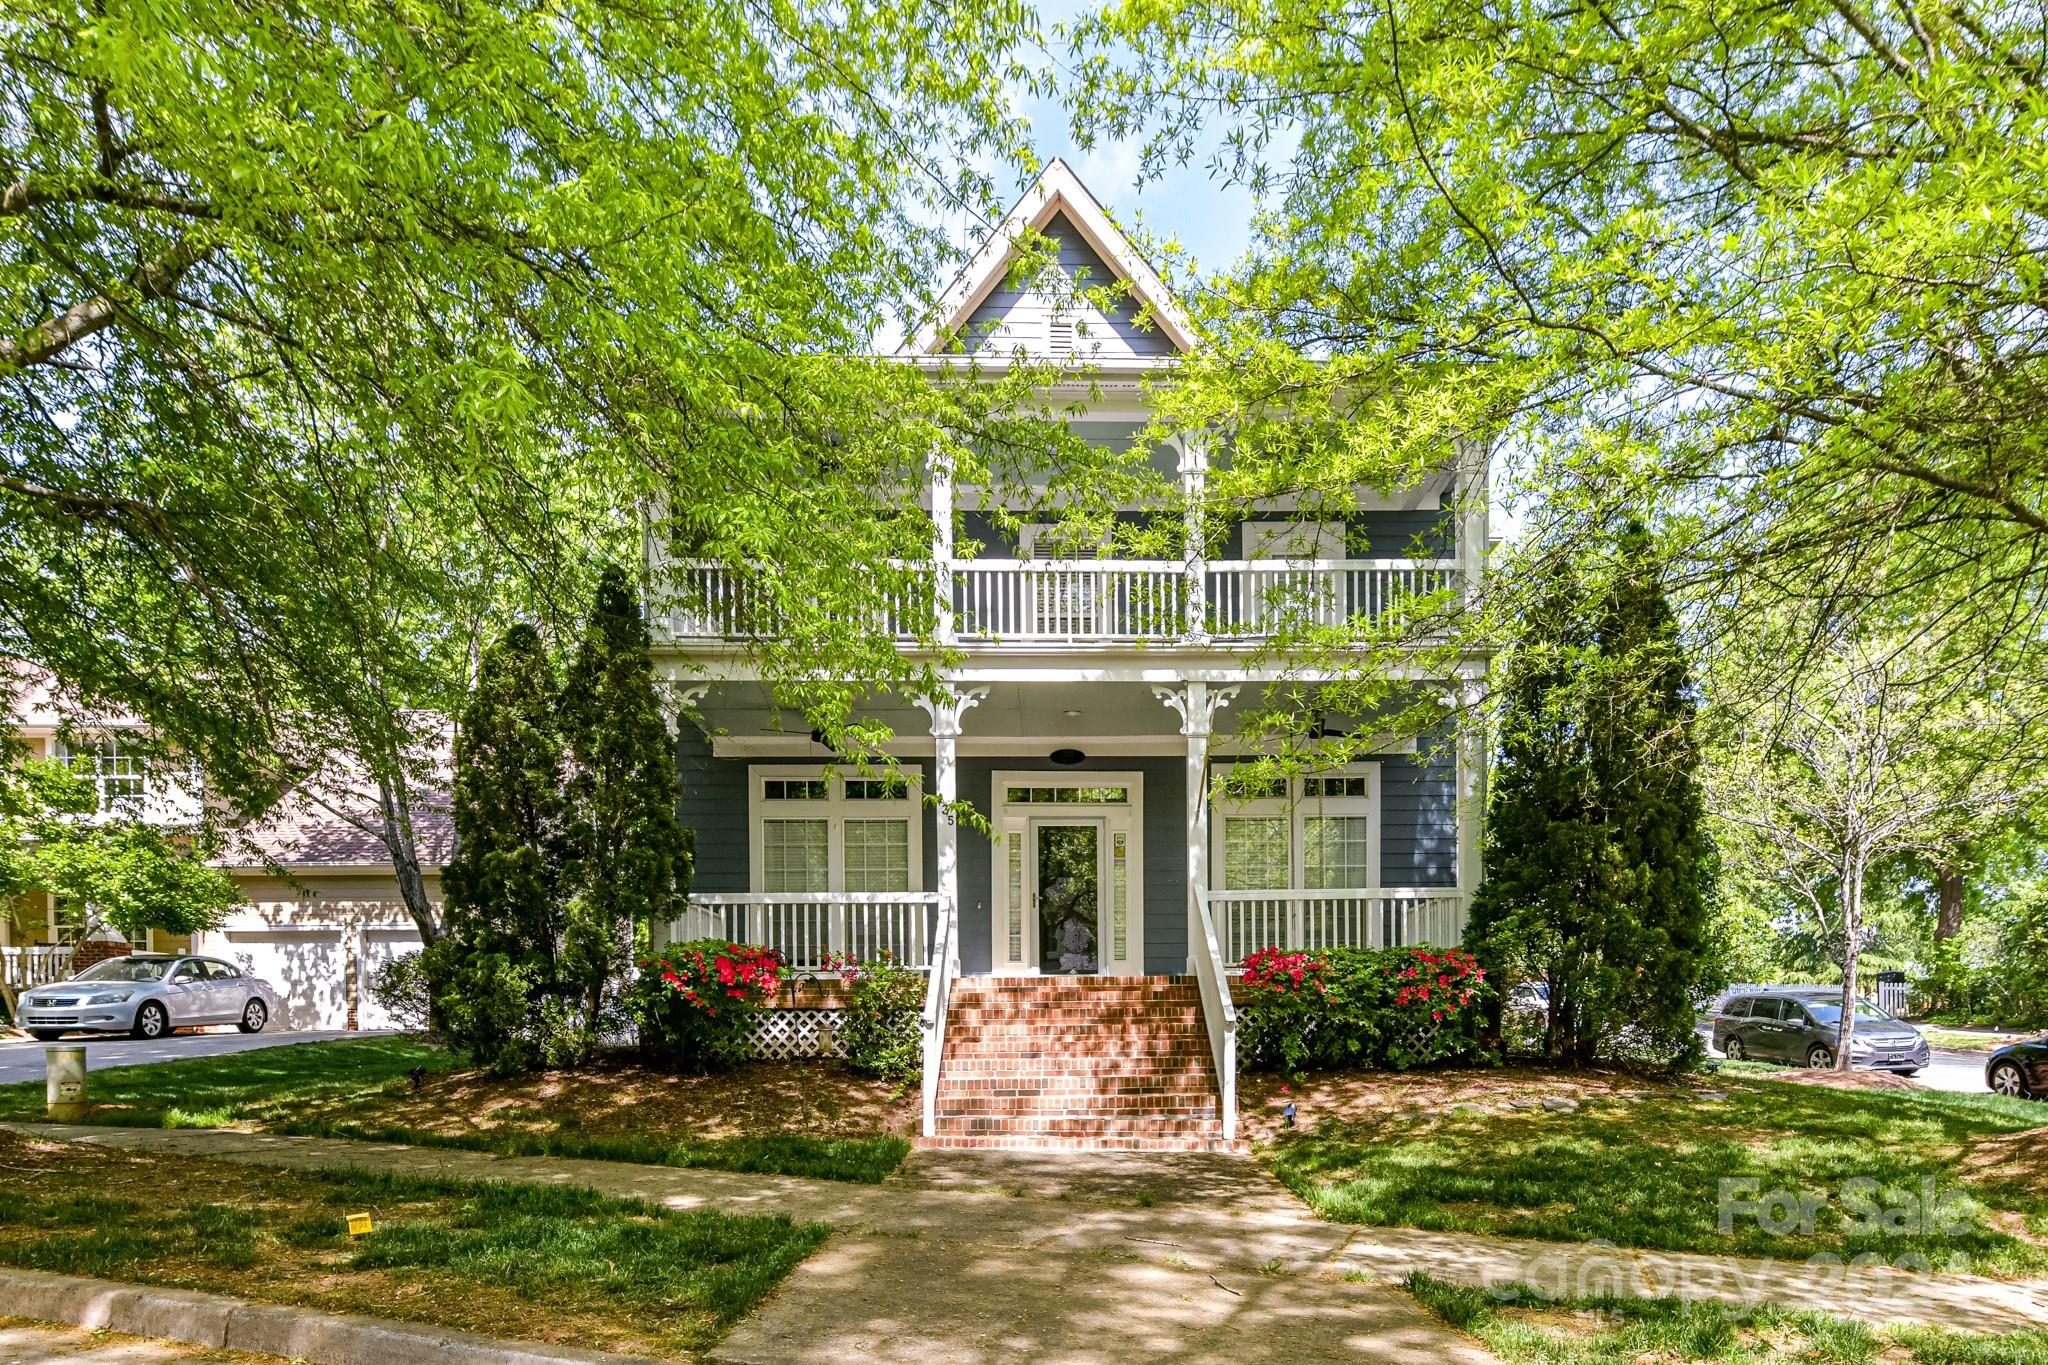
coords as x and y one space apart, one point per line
1068 758
1070 713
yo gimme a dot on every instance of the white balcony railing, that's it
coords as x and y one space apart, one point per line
1094 600
1248 921
804 926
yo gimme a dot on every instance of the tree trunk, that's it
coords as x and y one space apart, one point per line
405 859
1948 890
1852 932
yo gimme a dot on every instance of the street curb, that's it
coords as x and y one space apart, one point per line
219 1321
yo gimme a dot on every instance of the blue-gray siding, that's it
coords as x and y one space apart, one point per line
1023 311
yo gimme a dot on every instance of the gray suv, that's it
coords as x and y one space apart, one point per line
1799 1026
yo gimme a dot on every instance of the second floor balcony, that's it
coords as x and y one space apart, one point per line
998 602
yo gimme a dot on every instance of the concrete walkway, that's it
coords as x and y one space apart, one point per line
972 1256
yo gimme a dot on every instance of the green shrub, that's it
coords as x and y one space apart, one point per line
1358 1007
486 1000
399 986
694 1003
883 1024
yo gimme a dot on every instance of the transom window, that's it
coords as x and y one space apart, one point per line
1068 796
1314 833
817 832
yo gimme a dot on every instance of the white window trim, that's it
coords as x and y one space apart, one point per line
99 776
835 810
1299 808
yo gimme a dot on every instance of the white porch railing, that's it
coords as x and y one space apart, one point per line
938 1000
34 964
803 926
1079 600
1073 599
1257 597
1218 1011
1380 918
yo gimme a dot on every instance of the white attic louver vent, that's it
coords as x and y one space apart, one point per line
1059 336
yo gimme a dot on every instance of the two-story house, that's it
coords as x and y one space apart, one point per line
1080 948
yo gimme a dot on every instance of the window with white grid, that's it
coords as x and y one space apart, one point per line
795 855
119 775
1318 832
1334 852
820 831
877 855
1254 852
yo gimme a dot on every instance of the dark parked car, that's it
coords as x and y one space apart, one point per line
2019 1069
1799 1026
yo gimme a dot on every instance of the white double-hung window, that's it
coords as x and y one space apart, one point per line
816 831
1315 833
117 772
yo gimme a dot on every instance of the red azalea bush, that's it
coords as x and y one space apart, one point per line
1360 1007
695 1002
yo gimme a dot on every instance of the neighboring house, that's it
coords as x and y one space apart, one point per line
1090 713
322 909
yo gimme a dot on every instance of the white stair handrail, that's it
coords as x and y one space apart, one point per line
1218 1012
938 996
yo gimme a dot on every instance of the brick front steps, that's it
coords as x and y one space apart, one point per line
1078 1062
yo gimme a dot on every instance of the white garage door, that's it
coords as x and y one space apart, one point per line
307 967
379 947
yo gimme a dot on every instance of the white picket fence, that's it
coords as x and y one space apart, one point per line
27 965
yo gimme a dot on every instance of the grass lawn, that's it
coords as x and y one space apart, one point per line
1525 1329
804 1119
1640 1165
543 1263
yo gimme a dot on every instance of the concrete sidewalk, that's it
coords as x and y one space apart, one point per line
1085 1256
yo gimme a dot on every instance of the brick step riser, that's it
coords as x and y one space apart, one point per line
1104 1013
1080 1106
988 1144
1021 1054
1071 1085
1024 1000
1079 1128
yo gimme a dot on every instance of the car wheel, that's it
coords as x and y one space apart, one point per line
1732 1049
1820 1057
151 1021
46 1035
2006 1079
255 1015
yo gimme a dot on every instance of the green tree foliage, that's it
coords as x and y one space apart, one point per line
1599 870
125 872
1768 271
333 338
628 858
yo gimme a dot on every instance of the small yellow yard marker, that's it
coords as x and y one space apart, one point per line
358 1224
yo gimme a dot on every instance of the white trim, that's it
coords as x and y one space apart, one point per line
1019 820
1057 188
1065 662
835 810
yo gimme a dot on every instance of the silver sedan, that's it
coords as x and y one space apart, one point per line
147 995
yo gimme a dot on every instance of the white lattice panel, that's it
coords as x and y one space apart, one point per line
791 1035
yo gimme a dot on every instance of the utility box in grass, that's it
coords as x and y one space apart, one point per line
65 1094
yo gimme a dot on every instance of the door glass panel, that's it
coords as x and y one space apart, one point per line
1333 852
1069 897
1255 853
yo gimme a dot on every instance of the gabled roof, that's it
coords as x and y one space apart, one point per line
1057 192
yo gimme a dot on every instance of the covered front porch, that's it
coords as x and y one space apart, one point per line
1088 839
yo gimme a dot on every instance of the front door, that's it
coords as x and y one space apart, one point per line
1067 879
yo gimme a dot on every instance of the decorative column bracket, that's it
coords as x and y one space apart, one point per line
676 700
1196 705
947 709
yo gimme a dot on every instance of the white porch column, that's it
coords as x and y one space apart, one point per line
1471 786
1473 498
942 547
946 711
1197 705
1194 479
